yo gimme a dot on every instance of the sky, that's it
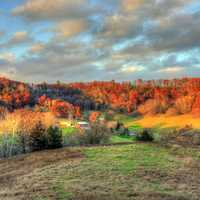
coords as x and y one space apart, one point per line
85 40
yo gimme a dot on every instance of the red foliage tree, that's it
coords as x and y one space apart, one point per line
94 116
196 106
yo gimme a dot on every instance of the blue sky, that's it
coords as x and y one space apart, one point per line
85 40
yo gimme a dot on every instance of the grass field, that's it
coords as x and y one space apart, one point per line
167 122
121 139
124 172
135 171
68 131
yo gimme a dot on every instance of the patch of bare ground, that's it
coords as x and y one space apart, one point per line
30 176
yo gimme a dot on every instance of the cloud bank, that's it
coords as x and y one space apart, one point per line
83 40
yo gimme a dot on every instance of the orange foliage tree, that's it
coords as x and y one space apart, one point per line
94 116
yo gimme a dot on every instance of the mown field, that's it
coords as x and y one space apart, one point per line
136 171
167 122
162 121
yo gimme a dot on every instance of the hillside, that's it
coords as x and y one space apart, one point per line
164 121
136 171
173 97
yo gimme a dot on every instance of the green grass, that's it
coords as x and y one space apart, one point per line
126 159
128 121
113 173
123 118
135 127
68 131
61 193
121 139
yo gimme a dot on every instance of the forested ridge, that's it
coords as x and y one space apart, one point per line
177 96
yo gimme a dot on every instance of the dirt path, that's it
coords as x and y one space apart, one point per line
23 176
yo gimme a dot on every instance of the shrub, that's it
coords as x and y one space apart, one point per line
109 116
98 134
145 135
184 104
38 137
10 145
186 136
54 137
196 107
165 136
94 116
152 107
24 142
121 130
135 114
24 131
172 112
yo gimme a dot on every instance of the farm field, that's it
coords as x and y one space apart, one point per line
136 171
167 122
161 121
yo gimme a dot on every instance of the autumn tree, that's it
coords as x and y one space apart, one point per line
94 116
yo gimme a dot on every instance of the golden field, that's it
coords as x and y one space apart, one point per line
166 121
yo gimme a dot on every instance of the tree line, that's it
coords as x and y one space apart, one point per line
177 96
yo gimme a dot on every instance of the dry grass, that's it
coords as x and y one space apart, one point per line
31 176
131 172
167 121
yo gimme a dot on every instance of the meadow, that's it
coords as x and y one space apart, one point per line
164 121
135 171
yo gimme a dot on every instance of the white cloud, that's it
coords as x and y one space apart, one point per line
131 69
36 10
127 34
19 36
36 48
131 5
171 69
7 57
70 28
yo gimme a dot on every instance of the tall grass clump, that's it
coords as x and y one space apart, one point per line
10 145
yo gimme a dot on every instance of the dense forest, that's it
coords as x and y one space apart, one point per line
172 97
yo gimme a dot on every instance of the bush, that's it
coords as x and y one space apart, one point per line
10 145
98 134
172 112
164 136
145 135
54 137
184 104
186 136
121 130
38 137
152 107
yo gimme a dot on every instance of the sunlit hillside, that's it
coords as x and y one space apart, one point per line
166 122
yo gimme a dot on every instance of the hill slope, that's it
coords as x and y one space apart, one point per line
137 171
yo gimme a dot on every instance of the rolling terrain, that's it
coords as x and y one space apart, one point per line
135 171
